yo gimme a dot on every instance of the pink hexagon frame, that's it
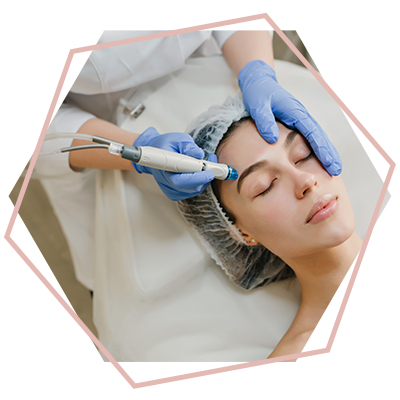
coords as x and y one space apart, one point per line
133 384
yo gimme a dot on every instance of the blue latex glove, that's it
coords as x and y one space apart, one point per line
266 100
175 186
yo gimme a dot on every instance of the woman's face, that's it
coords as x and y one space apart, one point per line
280 187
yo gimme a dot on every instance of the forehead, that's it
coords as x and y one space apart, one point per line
246 146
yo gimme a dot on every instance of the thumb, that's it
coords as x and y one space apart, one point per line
266 125
212 158
192 150
268 129
146 137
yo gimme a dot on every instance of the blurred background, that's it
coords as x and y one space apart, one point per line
38 328
365 55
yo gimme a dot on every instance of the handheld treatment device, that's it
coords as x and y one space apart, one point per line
149 156
167 160
175 162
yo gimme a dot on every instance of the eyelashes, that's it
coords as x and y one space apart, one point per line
269 188
311 155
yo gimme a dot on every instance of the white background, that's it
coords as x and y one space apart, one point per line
282 381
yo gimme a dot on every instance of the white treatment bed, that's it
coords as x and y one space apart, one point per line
159 297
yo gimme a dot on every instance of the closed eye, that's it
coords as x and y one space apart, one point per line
268 189
311 155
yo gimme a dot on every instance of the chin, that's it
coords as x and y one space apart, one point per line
340 236
340 226
338 232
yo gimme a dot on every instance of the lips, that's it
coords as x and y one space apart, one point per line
323 208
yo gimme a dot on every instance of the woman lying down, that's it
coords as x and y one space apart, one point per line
284 216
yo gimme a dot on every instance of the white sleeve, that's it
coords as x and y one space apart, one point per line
29 94
221 35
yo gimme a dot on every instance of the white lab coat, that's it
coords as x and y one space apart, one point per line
108 76
116 72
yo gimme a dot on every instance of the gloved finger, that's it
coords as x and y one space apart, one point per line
178 142
147 136
287 109
321 145
298 118
189 181
181 143
268 130
335 168
167 183
212 158
192 150
324 150
266 125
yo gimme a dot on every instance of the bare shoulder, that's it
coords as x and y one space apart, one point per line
296 344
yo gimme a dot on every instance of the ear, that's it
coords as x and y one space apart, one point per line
250 241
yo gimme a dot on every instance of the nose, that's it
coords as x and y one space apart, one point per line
305 183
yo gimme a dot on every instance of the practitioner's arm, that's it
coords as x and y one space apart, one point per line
245 46
100 158
174 185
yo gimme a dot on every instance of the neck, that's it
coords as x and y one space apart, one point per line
320 274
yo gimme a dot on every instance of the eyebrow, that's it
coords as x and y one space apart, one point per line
289 138
261 164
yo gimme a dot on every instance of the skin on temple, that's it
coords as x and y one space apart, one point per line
320 253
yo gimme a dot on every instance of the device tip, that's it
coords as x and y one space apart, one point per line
232 174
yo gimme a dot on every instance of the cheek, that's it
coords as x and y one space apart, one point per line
275 214
278 233
268 220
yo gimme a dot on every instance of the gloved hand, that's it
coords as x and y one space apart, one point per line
175 186
265 99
